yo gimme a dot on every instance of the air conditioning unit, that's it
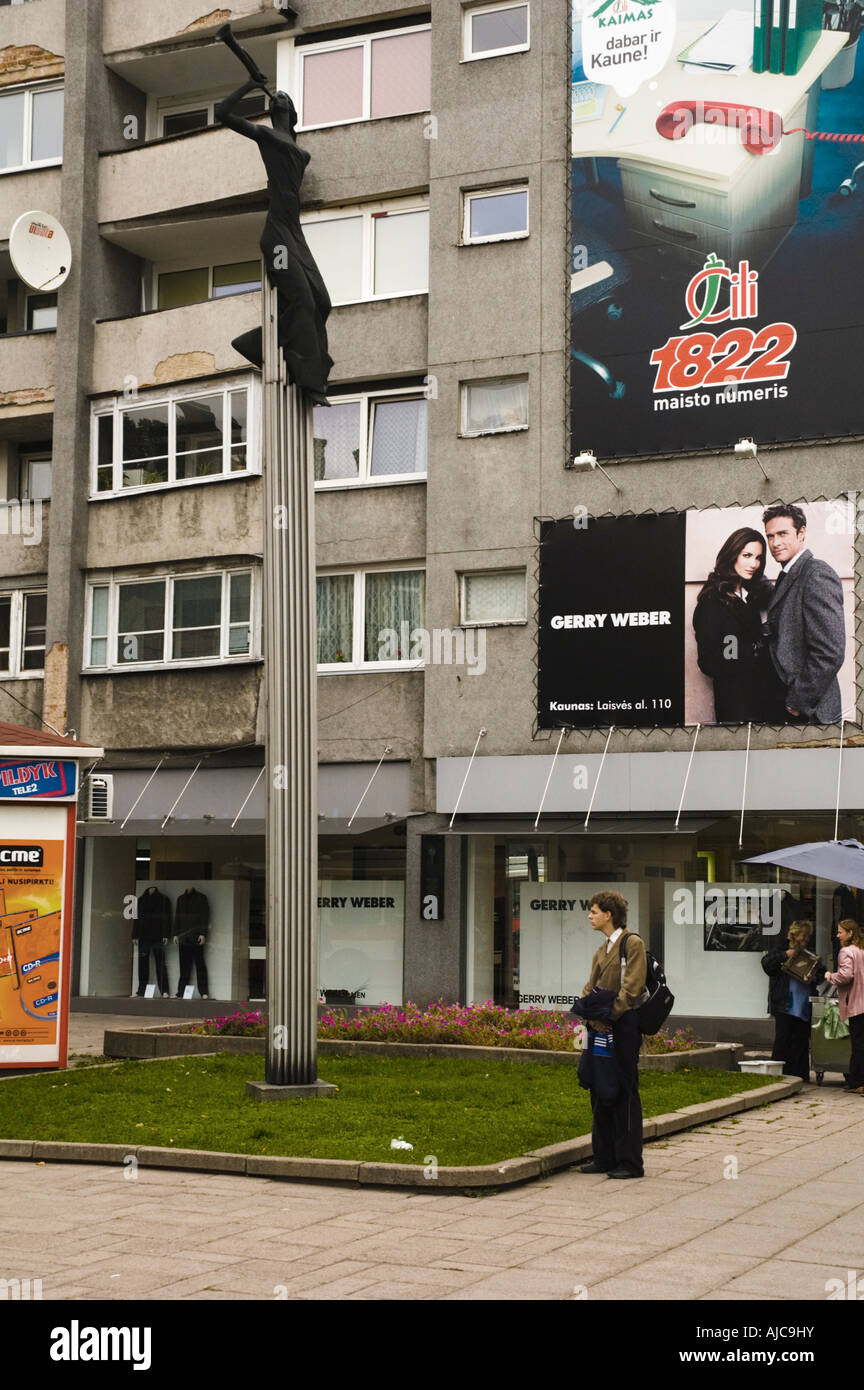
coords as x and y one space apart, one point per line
99 797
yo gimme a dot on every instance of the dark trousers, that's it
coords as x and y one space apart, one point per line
144 949
856 1038
616 1133
190 951
792 1045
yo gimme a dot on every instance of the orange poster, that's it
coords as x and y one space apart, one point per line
31 948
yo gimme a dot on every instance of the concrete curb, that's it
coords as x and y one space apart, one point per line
536 1163
166 1041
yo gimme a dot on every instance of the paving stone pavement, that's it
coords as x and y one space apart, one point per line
754 1207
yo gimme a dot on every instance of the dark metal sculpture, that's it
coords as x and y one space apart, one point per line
303 299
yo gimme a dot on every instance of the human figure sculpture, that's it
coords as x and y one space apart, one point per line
303 299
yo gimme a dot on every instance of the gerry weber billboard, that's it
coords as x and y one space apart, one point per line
716 268
684 618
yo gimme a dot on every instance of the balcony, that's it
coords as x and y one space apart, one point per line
41 22
26 374
173 344
195 172
22 192
128 25
23 540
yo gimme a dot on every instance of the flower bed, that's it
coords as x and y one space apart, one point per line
470 1025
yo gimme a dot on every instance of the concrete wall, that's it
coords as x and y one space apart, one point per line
22 704
18 555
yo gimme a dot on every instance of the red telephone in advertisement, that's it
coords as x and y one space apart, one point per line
761 131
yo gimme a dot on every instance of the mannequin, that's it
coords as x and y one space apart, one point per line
151 929
192 927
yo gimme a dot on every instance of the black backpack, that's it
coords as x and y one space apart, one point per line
657 1000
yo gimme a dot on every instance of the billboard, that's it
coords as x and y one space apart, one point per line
726 616
34 951
717 217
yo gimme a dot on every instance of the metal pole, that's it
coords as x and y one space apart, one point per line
839 775
687 776
387 750
549 779
744 788
599 775
482 734
291 756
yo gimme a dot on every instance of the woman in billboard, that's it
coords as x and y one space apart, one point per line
728 625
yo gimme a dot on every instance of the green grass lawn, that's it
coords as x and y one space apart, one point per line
461 1111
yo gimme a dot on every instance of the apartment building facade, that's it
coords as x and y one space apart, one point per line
437 203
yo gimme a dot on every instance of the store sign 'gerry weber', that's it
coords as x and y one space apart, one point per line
49 779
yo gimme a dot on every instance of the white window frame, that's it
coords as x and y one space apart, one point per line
341 668
26 458
205 387
469 196
470 10
115 580
16 636
367 400
31 89
464 431
177 106
168 268
301 51
371 213
490 622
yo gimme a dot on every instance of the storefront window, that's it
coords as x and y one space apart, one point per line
708 916
189 886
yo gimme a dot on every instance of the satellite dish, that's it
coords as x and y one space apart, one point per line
40 250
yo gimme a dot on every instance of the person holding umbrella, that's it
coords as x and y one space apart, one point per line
849 979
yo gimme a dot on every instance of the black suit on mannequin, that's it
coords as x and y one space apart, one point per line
151 929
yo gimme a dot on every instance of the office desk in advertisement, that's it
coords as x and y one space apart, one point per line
704 191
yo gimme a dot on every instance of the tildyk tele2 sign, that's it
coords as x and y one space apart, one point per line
716 285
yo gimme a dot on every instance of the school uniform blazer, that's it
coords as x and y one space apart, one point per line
606 972
849 979
807 637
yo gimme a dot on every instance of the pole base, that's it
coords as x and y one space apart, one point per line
267 1090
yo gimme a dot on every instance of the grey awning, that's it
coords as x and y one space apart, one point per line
214 797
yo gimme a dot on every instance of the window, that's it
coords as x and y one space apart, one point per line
178 287
365 619
364 78
31 127
180 437
22 633
180 119
492 30
500 214
41 312
170 620
36 476
376 252
369 438
492 407
495 596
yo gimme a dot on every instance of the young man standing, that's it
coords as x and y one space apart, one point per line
617 1128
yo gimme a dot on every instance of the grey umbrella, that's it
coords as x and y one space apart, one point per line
839 860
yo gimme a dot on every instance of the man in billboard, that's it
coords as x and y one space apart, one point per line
806 629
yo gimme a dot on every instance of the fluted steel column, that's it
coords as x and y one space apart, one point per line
290 667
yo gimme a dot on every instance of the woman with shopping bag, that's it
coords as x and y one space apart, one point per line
849 979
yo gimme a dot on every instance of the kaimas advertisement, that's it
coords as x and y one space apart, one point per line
31 934
730 616
717 219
